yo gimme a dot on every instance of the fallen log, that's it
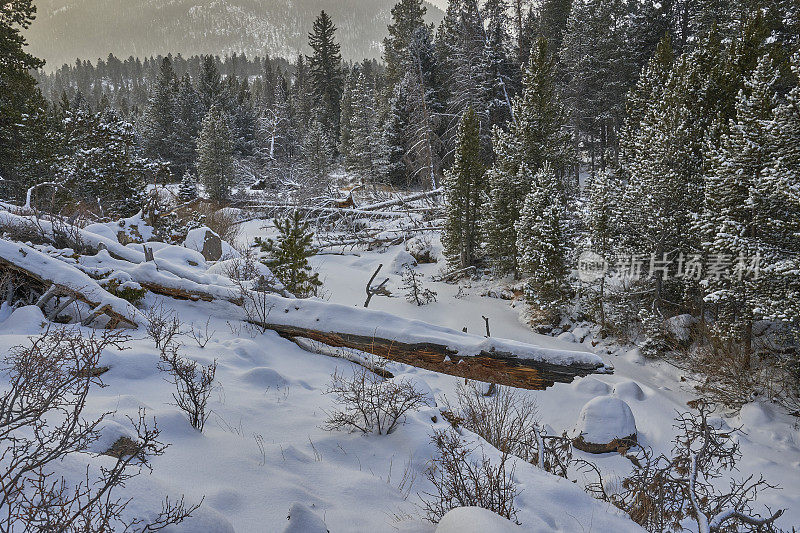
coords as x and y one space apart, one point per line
489 366
402 200
50 287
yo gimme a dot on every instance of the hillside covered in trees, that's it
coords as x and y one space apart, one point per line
90 29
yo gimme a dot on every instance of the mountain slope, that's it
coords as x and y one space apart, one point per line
90 29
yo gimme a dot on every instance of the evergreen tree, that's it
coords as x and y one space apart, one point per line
188 189
103 167
464 187
188 118
317 152
408 16
289 256
732 217
18 94
210 88
215 155
777 293
541 241
536 136
159 132
325 67
367 154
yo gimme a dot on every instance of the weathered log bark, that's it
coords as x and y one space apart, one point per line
491 367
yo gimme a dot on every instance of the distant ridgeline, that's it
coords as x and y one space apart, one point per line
68 29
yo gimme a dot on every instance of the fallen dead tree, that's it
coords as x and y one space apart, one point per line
493 367
402 200
39 274
424 345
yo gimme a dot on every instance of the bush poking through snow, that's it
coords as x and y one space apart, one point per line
662 492
415 292
163 325
194 383
41 423
371 404
461 481
508 420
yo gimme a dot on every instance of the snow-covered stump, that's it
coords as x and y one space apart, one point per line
605 424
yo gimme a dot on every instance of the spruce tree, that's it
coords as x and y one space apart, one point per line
17 87
215 156
188 189
317 152
325 67
408 16
536 136
209 84
159 132
289 255
464 187
541 241
732 218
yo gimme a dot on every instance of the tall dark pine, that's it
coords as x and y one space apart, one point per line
407 18
327 78
209 84
18 94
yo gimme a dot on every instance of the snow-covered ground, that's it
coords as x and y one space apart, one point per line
263 449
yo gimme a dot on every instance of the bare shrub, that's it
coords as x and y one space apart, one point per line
371 404
508 420
461 481
41 423
194 383
163 325
663 491
220 221
202 336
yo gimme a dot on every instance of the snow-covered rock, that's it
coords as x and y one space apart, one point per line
605 424
475 520
629 390
401 260
208 243
680 327
304 520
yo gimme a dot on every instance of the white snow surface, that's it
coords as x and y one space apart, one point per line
604 419
476 520
263 451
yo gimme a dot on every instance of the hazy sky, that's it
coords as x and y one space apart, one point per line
442 4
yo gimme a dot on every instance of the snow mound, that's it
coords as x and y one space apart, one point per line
26 320
590 385
475 520
401 260
178 255
304 520
604 424
629 390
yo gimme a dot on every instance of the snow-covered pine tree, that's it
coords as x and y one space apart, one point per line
209 84
541 242
325 69
348 105
368 151
289 255
407 19
777 293
732 218
188 117
188 188
537 135
159 131
215 155
317 152
464 186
